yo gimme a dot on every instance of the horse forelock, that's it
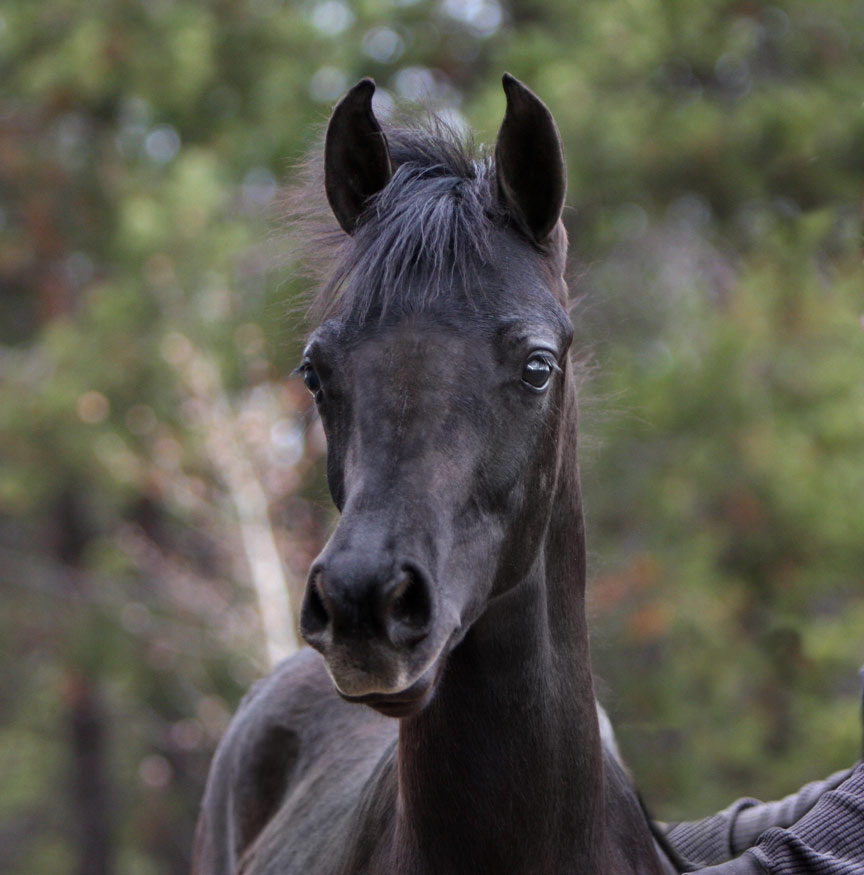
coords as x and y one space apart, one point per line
422 241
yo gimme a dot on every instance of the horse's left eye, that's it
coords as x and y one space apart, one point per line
537 372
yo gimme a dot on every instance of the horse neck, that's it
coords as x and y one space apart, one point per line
503 770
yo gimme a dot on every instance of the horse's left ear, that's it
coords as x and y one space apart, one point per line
529 162
356 158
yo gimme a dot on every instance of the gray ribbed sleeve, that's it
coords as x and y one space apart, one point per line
710 840
817 831
754 820
829 840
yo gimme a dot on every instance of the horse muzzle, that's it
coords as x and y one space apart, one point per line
375 622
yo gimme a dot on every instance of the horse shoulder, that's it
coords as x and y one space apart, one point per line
631 845
292 763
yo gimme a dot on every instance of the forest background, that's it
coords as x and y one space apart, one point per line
161 483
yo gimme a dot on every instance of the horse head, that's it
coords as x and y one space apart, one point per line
443 382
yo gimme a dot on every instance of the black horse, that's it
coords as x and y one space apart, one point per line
452 594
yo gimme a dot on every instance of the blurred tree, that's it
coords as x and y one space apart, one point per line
159 478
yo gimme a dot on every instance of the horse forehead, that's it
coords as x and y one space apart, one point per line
414 351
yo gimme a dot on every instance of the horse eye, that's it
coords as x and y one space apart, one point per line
537 371
311 379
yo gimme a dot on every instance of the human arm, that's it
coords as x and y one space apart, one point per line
824 837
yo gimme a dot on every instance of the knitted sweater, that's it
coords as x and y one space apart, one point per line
817 831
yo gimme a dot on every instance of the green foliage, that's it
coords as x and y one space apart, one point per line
148 325
741 461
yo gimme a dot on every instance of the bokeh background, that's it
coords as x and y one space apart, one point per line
161 483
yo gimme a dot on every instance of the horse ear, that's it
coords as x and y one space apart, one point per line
356 157
529 162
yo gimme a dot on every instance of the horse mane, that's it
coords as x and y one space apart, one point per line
427 231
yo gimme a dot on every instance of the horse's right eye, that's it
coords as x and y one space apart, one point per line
311 379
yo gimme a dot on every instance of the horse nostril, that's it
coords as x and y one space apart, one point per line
314 616
345 600
410 608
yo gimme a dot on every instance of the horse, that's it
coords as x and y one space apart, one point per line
443 720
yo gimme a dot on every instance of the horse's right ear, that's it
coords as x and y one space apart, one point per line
356 158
